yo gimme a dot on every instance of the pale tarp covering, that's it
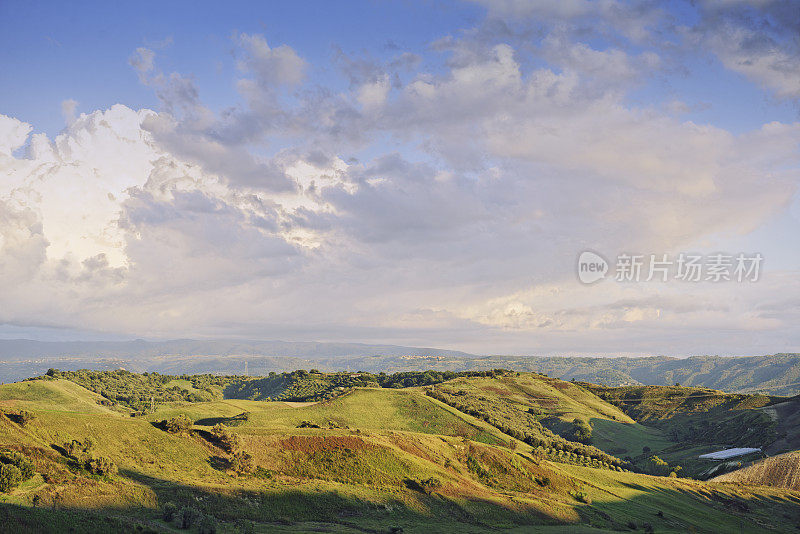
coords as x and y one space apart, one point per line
728 453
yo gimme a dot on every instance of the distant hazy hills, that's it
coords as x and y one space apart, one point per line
778 374
16 349
22 358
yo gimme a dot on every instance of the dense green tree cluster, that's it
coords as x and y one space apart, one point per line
139 390
565 456
656 466
581 431
15 468
412 379
10 477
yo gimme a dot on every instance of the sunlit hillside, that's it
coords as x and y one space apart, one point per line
373 459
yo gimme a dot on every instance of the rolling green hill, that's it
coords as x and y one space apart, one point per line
59 395
365 460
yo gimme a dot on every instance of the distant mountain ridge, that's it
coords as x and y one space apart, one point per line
776 374
17 349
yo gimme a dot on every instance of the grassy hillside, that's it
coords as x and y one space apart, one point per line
782 471
59 395
141 391
368 409
369 460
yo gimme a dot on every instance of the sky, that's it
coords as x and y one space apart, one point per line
420 173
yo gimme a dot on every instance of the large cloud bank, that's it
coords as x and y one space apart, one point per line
418 204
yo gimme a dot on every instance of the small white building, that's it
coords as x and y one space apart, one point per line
727 454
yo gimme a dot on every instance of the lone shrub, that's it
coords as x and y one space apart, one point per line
208 525
78 449
178 425
188 517
242 462
100 466
227 439
169 511
431 484
10 477
20 461
581 497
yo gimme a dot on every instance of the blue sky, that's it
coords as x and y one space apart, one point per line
81 51
407 172
60 51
